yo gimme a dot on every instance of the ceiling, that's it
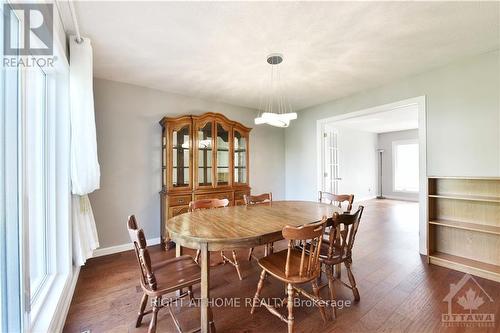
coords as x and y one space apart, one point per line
400 119
217 50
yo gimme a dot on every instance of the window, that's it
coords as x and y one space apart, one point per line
11 319
37 177
35 229
405 157
46 210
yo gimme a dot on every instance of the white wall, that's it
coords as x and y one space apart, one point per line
128 138
357 162
463 122
385 141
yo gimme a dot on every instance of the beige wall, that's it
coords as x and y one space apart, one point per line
463 122
128 136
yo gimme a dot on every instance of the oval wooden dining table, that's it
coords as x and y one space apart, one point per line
238 227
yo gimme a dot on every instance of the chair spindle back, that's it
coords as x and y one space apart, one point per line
310 237
257 199
343 232
207 204
336 199
141 252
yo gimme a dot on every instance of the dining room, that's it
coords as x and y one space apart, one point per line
247 166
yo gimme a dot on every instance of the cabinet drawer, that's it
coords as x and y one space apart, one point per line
222 195
174 211
179 200
238 195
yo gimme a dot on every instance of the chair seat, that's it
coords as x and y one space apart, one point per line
173 274
275 263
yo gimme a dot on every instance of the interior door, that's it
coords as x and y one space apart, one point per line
330 160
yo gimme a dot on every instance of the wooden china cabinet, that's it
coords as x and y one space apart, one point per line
203 157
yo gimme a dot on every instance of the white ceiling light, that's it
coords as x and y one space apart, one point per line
276 110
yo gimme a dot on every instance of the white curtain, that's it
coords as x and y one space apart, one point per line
85 171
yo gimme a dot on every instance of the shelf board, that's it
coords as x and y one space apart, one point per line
475 267
464 178
467 226
466 197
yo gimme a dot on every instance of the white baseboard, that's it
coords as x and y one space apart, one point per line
120 248
391 197
57 324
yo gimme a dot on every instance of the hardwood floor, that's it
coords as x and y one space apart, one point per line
399 291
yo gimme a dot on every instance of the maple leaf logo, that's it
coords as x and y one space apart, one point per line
470 301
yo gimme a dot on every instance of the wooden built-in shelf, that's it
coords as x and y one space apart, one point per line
465 177
464 225
467 226
470 266
466 197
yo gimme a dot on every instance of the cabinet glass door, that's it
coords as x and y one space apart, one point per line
180 157
223 163
240 158
205 142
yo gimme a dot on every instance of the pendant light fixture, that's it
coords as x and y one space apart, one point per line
276 110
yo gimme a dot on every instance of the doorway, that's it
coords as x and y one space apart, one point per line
353 155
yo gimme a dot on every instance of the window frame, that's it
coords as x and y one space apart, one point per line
48 131
395 145
35 303
58 232
11 265
18 312
39 314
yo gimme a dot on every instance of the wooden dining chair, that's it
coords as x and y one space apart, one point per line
212 204
339 250
161 278
256 200
294 267
337 199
